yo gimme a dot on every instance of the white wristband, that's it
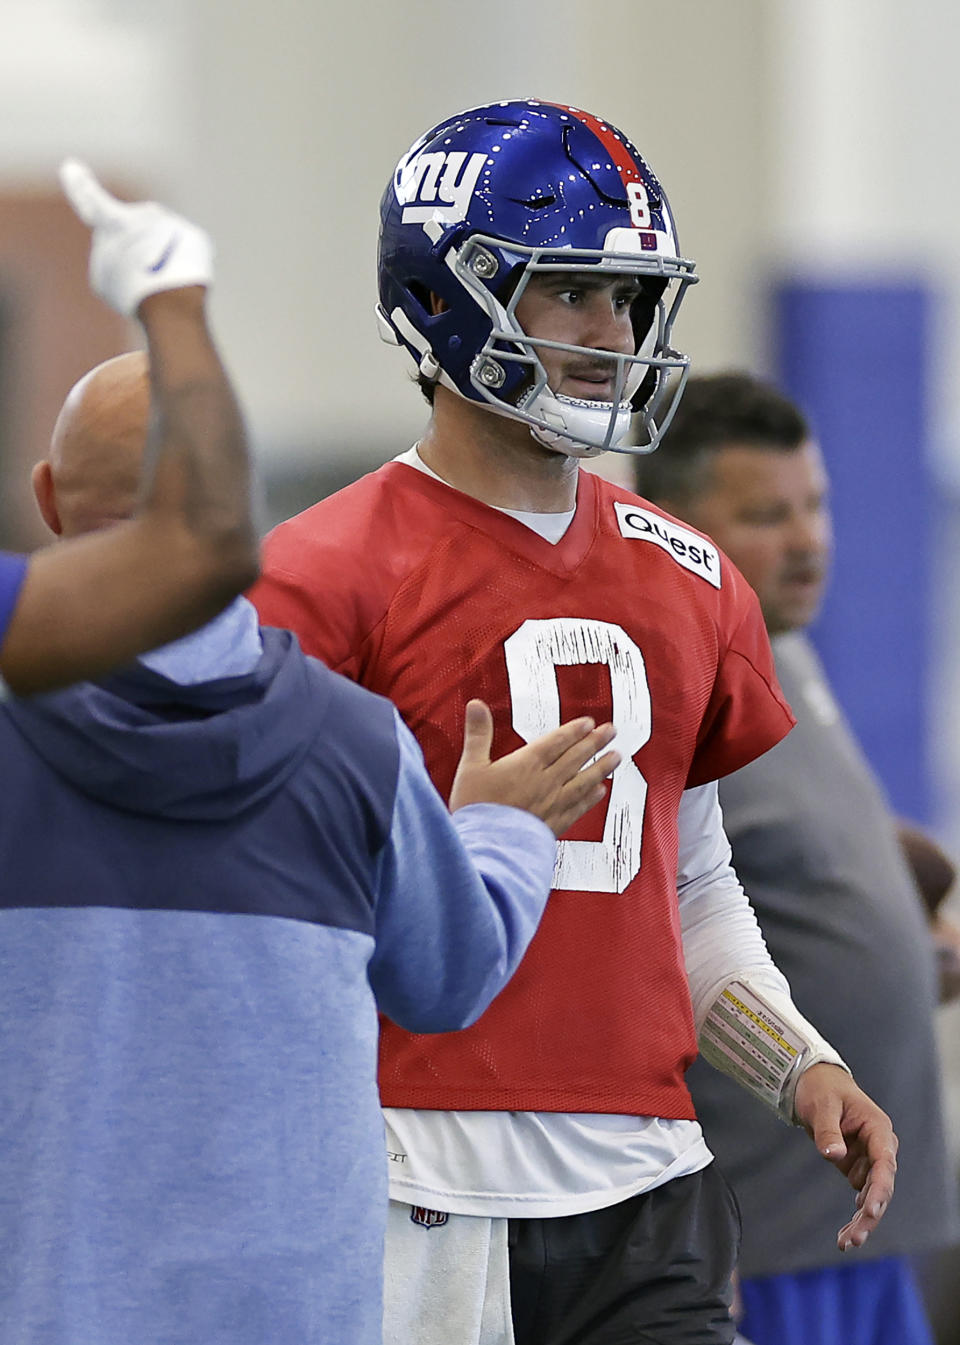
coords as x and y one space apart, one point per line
758 1036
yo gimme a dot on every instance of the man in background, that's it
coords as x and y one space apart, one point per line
819 854
217 865
189 545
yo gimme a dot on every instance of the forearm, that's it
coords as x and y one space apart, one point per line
749 1027
94 603
458 902
198 476
747 1023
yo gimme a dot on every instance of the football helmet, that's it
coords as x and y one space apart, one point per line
498 194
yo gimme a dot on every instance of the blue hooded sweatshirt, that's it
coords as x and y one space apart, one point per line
208 890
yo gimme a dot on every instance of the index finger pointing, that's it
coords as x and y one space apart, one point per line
92 202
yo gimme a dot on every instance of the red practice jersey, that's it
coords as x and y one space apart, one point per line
429 597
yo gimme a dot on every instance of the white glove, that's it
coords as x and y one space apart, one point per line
138 249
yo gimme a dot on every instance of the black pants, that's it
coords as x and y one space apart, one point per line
654 1270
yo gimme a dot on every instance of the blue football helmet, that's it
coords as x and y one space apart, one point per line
495 195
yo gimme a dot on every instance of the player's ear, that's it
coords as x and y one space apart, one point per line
437 305
41 478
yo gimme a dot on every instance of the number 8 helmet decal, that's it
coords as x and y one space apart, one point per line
495 195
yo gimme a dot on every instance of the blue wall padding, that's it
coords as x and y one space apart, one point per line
856 357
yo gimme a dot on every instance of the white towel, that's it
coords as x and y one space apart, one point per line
446 1279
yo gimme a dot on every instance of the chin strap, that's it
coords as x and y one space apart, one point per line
567 419
758 1036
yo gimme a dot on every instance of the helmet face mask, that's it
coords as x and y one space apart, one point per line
497 196
577 426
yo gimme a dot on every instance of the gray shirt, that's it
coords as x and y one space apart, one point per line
816 848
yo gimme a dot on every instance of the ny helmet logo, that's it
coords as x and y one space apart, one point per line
437 185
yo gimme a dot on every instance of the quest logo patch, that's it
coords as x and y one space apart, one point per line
687 548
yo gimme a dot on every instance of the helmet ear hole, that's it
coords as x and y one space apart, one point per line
422 296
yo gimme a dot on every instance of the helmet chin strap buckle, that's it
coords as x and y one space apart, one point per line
573 426
429 366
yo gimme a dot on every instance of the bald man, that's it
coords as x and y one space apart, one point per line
217 865
189 544
92 476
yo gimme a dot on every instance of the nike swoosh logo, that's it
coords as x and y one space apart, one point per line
165 255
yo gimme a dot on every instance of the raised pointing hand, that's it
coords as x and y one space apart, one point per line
549 777
138 249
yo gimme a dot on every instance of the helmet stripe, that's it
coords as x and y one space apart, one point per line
613 144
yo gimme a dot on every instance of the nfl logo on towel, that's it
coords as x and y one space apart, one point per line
428 1218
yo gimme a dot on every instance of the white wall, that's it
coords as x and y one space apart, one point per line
278 126
821 132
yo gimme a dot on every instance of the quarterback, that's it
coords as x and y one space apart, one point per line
549 1181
